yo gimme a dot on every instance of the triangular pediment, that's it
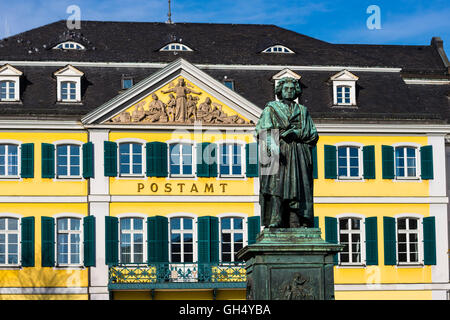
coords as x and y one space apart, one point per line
69 71
286 73
8 70
178 94
344 75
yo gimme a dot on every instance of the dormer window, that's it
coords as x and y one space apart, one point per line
344 89
9 83
127 82
68 81
69 45
176 47
278 49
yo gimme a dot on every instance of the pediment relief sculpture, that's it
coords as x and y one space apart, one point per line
180 104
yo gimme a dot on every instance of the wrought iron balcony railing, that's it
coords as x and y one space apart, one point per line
177 275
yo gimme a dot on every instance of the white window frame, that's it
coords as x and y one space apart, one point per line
181 231
19 240
346 79
360 160
67 46
420 256
132 232
67 144
194 158
143 158
175 46
9 73
8 87
81 232
68 74
244 218
362 232
230 144
67 86
418 164
278 48
18 144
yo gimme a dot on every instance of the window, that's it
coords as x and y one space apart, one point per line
278 49
9 241
230 159
408 240
7 90
348 162
68 241
232 238
68 161
181 239
344 88
343 95
68 91
131 240
176 47
9 160
180 159
229 84
69 45
350 236
130 157
127 83
405 162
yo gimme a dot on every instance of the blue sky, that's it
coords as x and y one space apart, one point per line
336 21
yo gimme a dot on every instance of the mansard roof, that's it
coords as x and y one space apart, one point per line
382 95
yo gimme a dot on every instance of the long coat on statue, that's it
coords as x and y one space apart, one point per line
292 181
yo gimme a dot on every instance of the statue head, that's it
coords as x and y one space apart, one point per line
288 89
154 96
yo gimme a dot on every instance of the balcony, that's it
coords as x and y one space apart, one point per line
196 275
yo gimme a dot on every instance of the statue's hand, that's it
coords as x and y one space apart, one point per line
291 134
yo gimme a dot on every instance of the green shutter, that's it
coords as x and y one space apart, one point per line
314 159
331 235
316 222
156 156
203 238
208 239
369 162
111 240
89 241
48 241
254 227
158 239
251 159
27 160
426 162
207 159
330 162
48 160
429 240
371 241
88 160
214 239
110 155
27 236
390 244
387 158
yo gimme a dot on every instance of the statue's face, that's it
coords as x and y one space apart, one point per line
288 91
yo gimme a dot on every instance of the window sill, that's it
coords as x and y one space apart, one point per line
231 177
9 177
11 101
350 179
69 266
409 265
10 267
131 176
68 178
407 179
352 266
181 177
344 106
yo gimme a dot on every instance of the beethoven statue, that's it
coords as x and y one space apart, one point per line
287 135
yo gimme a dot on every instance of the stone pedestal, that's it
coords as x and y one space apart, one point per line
289 264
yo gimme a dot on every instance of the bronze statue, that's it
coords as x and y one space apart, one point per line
286 194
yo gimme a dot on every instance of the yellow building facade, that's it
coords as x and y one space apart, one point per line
139 200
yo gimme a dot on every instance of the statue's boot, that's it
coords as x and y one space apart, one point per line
294 221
